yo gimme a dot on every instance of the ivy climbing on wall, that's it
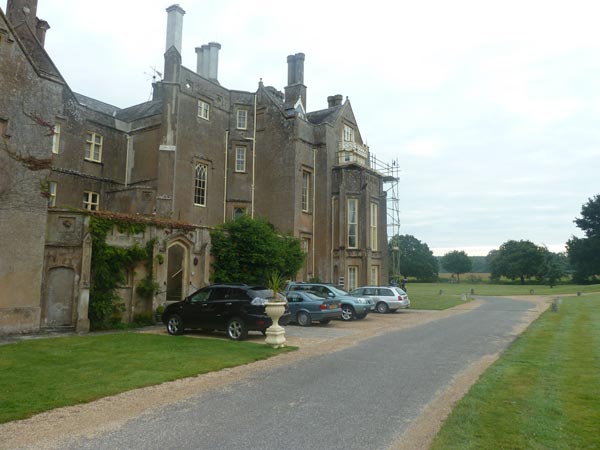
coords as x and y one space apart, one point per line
109 266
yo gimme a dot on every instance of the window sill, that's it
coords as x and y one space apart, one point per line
93 161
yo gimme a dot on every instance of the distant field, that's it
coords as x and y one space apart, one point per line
470 277
447 295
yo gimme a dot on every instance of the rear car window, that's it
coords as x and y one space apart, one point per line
386 292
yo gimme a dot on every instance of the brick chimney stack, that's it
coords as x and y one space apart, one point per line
19 11
334 100
295 88
174 27
207 65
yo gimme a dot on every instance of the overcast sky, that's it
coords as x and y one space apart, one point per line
491 108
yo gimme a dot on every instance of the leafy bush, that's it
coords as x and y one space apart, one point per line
247 250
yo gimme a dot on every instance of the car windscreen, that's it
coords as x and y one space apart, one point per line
337 291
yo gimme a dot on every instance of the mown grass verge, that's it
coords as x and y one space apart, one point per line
42 374
543 393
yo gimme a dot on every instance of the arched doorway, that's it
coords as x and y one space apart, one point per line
176 271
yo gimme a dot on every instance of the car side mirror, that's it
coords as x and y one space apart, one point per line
330 294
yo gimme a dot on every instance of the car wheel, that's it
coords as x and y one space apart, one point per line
347 313
304 319
174 325
236 329
382 307
325 321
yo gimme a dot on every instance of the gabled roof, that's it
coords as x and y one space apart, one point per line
329 115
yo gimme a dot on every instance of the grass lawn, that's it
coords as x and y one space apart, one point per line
543 393
42 374
427 295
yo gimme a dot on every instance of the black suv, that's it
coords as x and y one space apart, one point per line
236 309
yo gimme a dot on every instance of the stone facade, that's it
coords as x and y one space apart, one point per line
197 153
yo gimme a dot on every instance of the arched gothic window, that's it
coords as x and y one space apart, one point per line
200 185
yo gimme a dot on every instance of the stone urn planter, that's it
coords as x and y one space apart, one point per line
275 333
275 307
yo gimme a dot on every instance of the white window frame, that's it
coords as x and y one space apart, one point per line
374 276
200 184
91 200
352 223
56 139
203 110
352 278
348 133
93 146
306 191
52 192
242 119
240 159
373 225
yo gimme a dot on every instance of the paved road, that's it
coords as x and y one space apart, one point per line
362 397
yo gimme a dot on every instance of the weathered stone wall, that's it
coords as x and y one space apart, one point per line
29 102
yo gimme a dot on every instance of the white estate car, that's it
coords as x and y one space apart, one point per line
386 298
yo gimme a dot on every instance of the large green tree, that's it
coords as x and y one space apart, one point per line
415 258
553 268
584 253
248 250
456 262
516 259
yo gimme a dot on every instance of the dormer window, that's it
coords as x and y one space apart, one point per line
348 134
299 107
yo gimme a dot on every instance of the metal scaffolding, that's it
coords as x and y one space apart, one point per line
391 180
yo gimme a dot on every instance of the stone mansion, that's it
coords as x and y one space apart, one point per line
198 153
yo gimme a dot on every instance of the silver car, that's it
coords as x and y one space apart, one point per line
386 298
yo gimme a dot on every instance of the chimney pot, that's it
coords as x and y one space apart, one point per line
299 68
213 65
205 60
40 31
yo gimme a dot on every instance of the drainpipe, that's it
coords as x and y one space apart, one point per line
127 160
332 240
225 178
253 157
314 211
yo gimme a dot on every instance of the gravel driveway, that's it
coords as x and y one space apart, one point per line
145 418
